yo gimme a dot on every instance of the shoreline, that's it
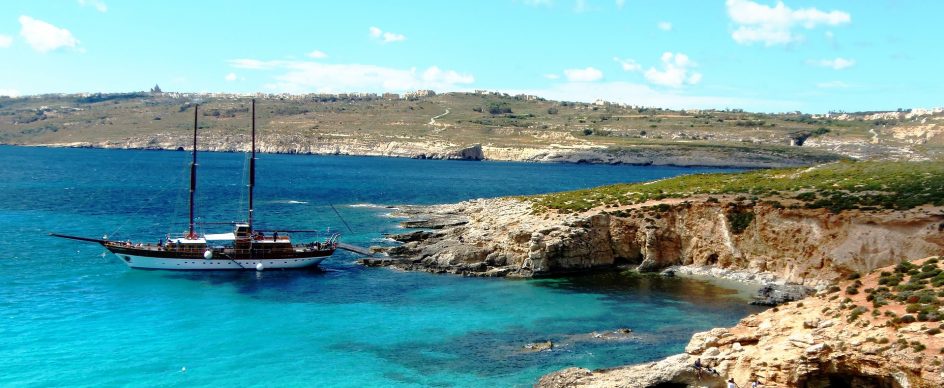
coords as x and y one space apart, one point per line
600 157
818 341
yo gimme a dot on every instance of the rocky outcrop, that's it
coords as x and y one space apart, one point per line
675 370
667 155
821 341
505 237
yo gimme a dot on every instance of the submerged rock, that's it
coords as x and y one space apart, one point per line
539 346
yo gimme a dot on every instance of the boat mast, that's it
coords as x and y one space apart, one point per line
252 162
193 172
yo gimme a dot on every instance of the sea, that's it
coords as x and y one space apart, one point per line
73 315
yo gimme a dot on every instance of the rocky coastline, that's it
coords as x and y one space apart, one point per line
811 247
662 155
787 253
824 340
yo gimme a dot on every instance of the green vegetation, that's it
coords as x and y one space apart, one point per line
918 288
835 186
740 220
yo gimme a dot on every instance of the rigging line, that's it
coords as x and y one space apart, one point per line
228 257
140 209
341 218
243 182
178 198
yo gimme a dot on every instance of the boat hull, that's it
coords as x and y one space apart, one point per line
191 264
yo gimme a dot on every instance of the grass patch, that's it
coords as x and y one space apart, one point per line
835 186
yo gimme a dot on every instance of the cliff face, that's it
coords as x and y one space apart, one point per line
303 145
368 145
831 339
501 237
657 156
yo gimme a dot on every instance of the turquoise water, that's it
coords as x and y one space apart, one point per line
70 315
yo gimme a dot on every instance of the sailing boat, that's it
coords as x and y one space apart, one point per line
243 248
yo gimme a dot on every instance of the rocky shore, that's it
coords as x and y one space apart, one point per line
787 253
835 338
811 247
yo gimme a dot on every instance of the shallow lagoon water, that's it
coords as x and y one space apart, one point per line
73 316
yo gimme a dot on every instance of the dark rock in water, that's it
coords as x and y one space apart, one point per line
776 294
620 334
497 272
376 262
418 235
434 223
539 346
400 250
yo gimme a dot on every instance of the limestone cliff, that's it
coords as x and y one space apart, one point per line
303 145
506 237
370 145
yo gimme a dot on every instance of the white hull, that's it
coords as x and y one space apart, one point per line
143 262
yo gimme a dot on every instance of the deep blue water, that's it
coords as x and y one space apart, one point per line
71 315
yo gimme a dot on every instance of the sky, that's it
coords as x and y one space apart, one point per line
770 56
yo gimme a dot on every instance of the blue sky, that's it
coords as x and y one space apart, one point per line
812 56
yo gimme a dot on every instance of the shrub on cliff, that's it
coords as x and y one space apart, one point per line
740 220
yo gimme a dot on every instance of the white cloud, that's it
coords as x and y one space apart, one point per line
308 76
44 37
98 4
583 75
628 64
9 92
231 77
317 54
581 6
620 3
773 25
5 41
835 64
665 26
552 76
833 85
436 75
255 64
386 36
676 71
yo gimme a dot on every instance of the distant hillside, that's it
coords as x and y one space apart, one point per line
469 126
